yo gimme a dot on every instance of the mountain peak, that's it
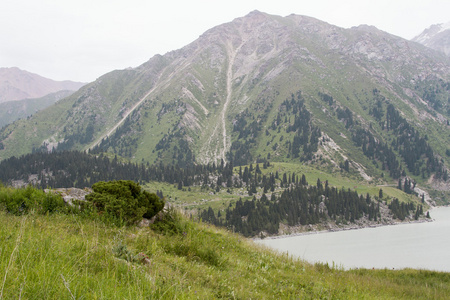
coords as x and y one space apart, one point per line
366 27
436 37
255 13
17 84
261 86
254 16
431 31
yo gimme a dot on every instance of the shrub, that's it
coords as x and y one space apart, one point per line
124 201
23 200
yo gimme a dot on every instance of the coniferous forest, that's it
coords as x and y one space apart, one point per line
286 198
297 205
405 141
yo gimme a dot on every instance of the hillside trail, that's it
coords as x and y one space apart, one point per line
158 84
191 96
212 149
218 143
133 108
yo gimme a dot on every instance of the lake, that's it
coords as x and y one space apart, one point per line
410 245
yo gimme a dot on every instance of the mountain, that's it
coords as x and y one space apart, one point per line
436 37
17 84
263 87
13 110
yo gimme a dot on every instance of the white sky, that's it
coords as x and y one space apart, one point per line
83 39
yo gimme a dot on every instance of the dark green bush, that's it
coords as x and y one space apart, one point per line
124 201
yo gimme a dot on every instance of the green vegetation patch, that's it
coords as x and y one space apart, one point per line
124 201
25 200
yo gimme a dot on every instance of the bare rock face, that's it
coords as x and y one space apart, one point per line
436 37
70 194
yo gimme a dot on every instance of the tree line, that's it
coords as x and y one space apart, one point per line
298 204
417 156
80 169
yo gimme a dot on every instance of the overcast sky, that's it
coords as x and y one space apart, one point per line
83 39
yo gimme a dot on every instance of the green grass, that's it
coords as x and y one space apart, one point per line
339 180
14 110
441 197
195 197
71 257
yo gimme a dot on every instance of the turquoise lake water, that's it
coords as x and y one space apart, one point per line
412 245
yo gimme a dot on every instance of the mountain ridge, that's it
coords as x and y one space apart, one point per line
17 84
227 97
436 37
13 110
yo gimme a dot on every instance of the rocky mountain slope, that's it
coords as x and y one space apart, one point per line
436 37
16 84
265 87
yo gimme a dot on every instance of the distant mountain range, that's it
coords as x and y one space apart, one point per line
436 37
13 110
263 87
17 84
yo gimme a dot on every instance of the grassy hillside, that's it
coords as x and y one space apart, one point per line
13 110
71 257
201 197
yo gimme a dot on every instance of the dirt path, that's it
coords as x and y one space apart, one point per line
218 143
191 96
158 84
123 119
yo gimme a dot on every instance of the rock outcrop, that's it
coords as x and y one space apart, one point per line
70 194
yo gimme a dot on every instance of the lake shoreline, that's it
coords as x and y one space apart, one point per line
421 245
297 231
336 228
